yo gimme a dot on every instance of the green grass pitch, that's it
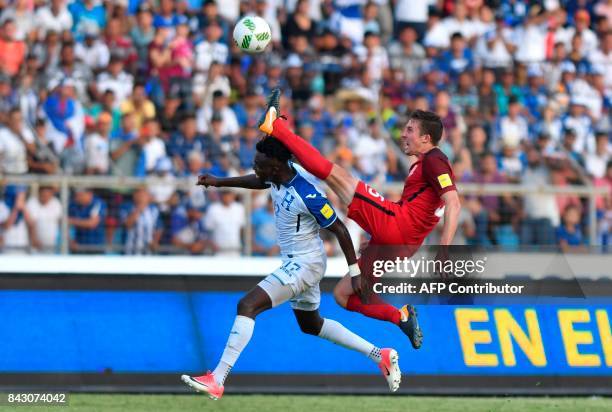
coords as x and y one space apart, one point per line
320 403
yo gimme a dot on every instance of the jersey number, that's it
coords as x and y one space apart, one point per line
289 267
374 193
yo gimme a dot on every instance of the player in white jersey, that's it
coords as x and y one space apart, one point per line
300 210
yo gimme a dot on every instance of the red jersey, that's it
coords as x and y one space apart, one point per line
428 178
409 221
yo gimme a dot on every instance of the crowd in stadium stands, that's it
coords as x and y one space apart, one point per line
157 87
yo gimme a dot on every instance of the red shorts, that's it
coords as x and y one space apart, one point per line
387 222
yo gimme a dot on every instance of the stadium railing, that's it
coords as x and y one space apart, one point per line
65 185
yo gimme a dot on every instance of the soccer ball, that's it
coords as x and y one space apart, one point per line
252 34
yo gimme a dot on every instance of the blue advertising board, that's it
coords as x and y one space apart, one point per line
176 332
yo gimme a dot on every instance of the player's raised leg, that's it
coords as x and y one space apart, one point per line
252 304
376 308
338 179
387 359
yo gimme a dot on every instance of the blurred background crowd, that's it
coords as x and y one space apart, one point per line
157 88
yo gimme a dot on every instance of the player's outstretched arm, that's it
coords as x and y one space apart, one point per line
247 182
346 244
452 208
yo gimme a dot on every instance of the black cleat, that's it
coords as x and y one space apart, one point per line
409 324
272 112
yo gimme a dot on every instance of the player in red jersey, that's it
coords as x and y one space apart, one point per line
429 193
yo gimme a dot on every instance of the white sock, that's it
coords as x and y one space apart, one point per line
334 331
238 339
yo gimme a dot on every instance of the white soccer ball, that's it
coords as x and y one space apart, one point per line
252 34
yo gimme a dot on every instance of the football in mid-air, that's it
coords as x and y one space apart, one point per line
252 34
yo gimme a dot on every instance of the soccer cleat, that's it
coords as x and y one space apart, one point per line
272 112
409 324
205 383
389 366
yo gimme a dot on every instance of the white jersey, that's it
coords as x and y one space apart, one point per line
300 209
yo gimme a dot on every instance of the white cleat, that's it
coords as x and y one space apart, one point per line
389 366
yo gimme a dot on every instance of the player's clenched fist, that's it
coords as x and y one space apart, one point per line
207 180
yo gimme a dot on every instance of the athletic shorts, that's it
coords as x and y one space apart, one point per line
389 225
387 222
296 280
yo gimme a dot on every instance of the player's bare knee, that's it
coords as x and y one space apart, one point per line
247 307
311 325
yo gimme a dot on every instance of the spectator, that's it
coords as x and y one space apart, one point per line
603 57
126 147
465 98
53 17
44 216
65 124
595 163
540 210
116 79
582 19
210 14
16 140
23 17
497 46
142 35
120 44
70 70
93 51
531 37
248 110
211 49
162 190
298 23
459 22
229 122
166 17
371 154
12 50
225 221
183 142
493 207
246 151
142 222
153 148
569 141
86 12
511 162
458 59
375 58
42 159
578 120
264 231
535 94
487 99
139 105
188 232
107 104
550 124
14 228
86 216
412 14
195 166
97 147
569 234
512 128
